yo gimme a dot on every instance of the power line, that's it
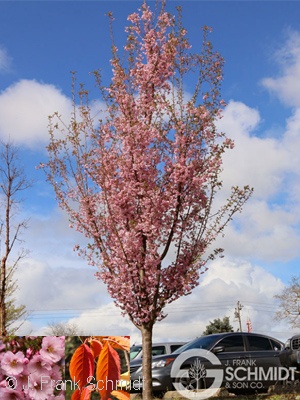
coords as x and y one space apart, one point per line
209 306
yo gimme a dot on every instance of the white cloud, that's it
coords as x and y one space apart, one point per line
60 284
105 320
53 293
5 60
55 278
268 227
25 107
287 85
49 237
239 119
291 142
226 282
49 287
54 282
24 110
262 232
255 161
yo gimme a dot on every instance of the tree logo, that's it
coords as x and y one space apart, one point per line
188 382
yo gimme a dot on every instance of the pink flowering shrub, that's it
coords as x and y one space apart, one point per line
32 368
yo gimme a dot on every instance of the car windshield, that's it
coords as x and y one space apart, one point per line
204 342
134 351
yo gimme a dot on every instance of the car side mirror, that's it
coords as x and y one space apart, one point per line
218 349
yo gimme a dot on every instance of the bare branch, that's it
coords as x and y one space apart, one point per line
12 182
289 303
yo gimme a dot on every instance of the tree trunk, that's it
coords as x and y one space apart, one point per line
146 330
3 331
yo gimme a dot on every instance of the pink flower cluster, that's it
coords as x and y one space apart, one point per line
31 368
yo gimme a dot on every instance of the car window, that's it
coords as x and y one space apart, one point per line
204 342
276 345
232 343
158 350
259 343
175 347
134 351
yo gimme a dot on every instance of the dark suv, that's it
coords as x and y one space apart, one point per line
243 362
290 356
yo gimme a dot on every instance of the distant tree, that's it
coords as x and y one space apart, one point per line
64 329
12 182
15 314
218 325
289 303
140 184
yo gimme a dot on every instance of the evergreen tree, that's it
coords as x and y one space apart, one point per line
218 325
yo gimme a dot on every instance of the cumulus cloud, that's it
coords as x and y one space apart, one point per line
287 85
54 293
24 110
105 320
58 286
268 227
255 161
47 287
54 282
225 282
265 230
25 107
239 119
291 142
262 232
5 60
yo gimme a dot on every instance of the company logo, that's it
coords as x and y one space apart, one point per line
195 374
192 376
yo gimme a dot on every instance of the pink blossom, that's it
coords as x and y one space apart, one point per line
12 364
38 364
39 386
53 348
55 373
22 380
61 396
29 353
11 394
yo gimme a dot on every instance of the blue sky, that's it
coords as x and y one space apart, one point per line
41 42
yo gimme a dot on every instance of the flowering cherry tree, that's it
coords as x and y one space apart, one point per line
140 183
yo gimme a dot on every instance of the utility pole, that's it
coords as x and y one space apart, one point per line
237 314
